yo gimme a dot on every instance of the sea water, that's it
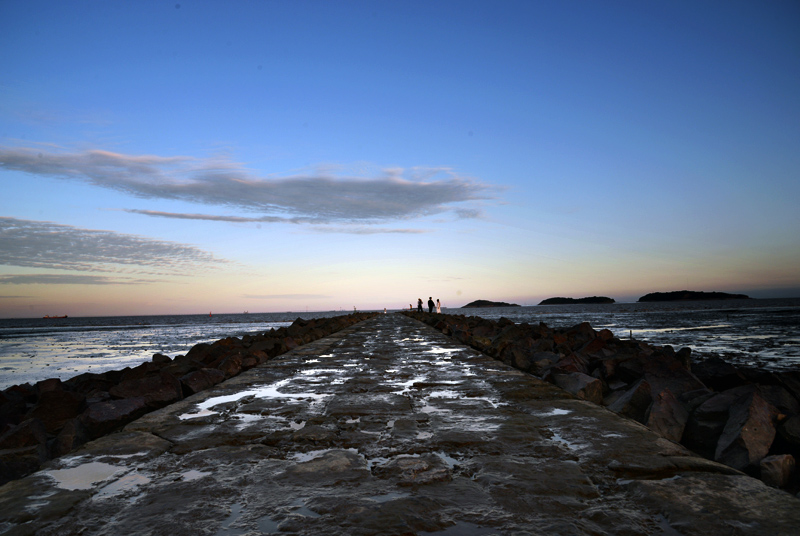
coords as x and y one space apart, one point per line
35 349
762 333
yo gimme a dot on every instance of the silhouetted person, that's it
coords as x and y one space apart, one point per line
431 305
438 306
419 305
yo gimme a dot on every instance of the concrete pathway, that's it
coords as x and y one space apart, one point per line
389 427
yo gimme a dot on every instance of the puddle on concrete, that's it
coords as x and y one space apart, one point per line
449 460
424 435
440 350
386 497
84 476
553 412
265 526
246 419
406 385
194 474
302 457
445 394
225 529
427 408
269 391
121 485
315 372
65 462
299 507
571 445
448 394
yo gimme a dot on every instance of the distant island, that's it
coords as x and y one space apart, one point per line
690 295
568 301
487 303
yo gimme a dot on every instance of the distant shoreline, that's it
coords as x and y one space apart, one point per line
569 301
487 303
690 295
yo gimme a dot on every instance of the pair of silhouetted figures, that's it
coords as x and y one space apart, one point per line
431 305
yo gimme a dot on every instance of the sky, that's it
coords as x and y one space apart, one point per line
266 156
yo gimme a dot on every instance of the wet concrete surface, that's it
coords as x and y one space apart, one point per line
389 427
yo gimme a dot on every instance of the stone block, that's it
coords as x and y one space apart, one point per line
581 385
778 470
748 433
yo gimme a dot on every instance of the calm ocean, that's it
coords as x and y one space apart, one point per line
763 333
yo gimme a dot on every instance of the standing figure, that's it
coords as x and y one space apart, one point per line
431 305
438 306
419 305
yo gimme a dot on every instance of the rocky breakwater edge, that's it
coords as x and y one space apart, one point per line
745 418
53 417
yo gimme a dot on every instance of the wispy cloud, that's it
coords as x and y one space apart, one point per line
360 230
323 196
211 217
38 244
67 279
342 229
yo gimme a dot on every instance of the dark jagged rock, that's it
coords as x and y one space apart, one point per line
487 303
104 417
571 301
56 408
778 470
748 433
28 433
72 435
635 402
667 416
690 295
200 380
581 385
718 374
707 421
158 390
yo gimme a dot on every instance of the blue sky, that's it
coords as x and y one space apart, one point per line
165 157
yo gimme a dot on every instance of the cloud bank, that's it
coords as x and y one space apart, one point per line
66 279
319 198
37 244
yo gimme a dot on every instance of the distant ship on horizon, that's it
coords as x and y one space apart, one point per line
48 316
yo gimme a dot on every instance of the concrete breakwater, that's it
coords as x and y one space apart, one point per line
53 417
746 418
389 427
